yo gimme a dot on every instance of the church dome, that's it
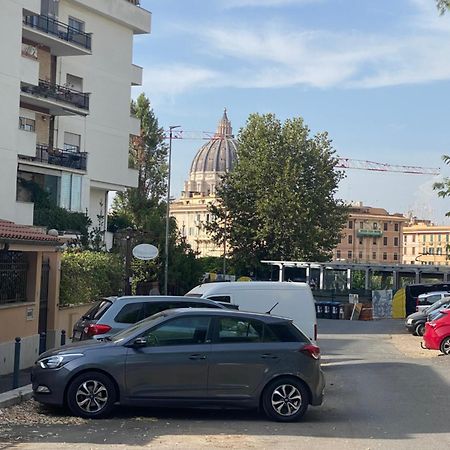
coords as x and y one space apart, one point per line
219 154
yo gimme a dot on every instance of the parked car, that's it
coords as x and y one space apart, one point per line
113 314
187 357
425 300
415 323
293 300
437 332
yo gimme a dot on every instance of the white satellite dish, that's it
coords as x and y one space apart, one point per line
145 252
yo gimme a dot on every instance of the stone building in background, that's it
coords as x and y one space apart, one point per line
211 162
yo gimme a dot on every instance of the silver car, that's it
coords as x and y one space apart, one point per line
187 357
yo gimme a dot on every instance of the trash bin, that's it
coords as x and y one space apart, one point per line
327 310
319 310
341 311
335 310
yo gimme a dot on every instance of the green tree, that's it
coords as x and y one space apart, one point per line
443 187
279 200
443 5
142 210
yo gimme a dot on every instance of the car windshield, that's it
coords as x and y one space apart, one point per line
438 305
143 324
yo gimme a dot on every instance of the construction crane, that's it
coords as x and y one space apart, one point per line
343 163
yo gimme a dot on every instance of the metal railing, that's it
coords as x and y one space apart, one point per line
58 157
135 2
60 30
13 277
59 93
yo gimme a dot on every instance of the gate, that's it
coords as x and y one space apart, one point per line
43 306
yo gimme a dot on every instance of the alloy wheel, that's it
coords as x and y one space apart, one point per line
91 396
286 400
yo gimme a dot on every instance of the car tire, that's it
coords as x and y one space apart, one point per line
91 395
445 346
420 329
285 399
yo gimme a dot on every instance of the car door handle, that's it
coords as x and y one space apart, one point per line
197 356
269 356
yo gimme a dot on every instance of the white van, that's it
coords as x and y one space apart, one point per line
292 300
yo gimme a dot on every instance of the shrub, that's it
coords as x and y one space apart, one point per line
87 276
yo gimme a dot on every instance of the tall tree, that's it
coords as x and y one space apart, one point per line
443 187
279 200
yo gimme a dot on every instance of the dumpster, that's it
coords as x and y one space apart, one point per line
327 310
335 310
319 310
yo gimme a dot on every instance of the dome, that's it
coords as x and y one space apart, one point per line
219 154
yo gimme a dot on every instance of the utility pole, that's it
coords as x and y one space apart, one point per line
166 266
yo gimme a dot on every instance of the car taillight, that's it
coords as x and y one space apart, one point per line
315 331
311 350
94 329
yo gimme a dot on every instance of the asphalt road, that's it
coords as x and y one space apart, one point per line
377 397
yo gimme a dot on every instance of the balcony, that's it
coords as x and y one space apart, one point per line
62 39
135 2
58 157
58 100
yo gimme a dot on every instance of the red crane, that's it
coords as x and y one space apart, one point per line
343 163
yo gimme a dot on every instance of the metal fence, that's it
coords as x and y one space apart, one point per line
13 277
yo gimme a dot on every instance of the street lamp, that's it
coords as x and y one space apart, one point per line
166 267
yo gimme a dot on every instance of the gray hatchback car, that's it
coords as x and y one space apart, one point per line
187 357
113 314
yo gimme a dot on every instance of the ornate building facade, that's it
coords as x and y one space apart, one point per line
211 162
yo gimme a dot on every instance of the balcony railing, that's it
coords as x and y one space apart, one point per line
58 157
60 93
60 30
135 2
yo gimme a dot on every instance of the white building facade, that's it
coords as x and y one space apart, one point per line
66 74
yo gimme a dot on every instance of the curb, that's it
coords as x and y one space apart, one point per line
16 396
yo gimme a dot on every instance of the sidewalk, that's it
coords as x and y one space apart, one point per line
6 381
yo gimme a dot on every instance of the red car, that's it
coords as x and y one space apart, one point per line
437 333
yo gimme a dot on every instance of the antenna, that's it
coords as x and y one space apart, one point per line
271 309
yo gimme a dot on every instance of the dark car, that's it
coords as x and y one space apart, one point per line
187 357
415 323
113 314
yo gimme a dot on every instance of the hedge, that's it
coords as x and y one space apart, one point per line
87 276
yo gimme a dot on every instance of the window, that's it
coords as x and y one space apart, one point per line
234 330
361 225
414 238
384 256
180 331
405 239
385 240
360 241
424 238
131 313
72 142
424 250
395 257
74 82
27 124
221 298
338 254
431 238
350 224
283 333
413 250
350 239
439 238
431 251
446 238
395 226
385 226
98 310
70 196
374 241
76 24
374 255
49 8
360 255
412 262
439 251
396 242
375 226
349 254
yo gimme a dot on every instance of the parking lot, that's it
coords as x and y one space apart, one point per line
383 391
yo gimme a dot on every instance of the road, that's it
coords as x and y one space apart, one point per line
382 392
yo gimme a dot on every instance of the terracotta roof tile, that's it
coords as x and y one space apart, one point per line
12 231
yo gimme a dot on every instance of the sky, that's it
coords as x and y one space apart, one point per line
374 74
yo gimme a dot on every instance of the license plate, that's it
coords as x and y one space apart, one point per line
77 335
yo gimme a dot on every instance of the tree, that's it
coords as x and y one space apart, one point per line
140 212
279 201
443 5
443 187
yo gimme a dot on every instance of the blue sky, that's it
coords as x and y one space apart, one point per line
374 74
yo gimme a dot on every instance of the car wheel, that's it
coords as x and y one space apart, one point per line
285 400
91 395
445 346
420 329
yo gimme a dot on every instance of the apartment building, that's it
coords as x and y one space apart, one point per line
65 83
426 243
371 235
66 74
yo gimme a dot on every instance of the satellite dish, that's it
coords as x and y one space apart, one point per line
146 252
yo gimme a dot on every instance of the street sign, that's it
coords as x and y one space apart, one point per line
145 252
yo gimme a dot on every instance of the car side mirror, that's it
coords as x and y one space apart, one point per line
139 342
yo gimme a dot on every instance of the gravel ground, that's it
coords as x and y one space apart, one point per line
409 345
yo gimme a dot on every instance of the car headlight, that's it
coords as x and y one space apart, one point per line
56 361
410 321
